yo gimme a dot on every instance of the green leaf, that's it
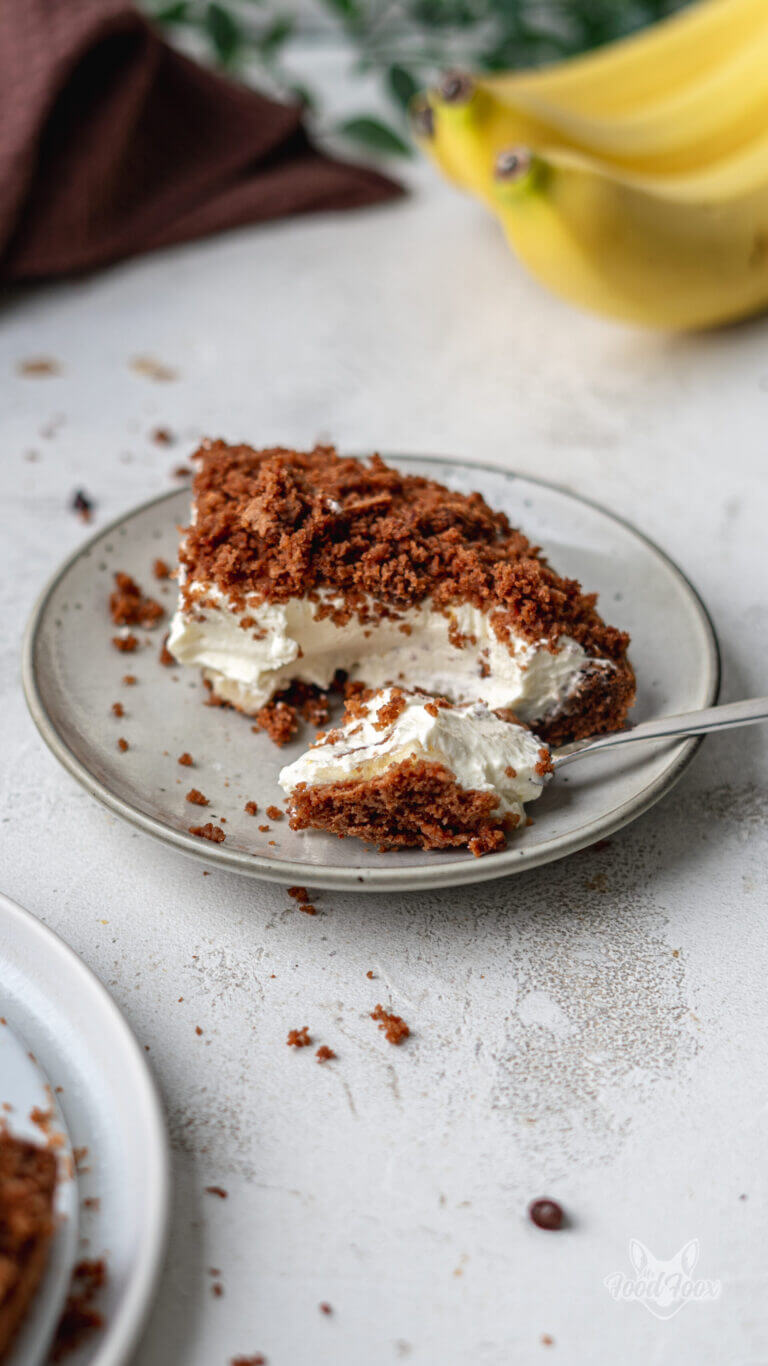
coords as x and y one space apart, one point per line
349 10
224 32
376 135
172 14
272 40
402 84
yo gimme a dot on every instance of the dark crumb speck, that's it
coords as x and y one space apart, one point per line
82 505
181 472
162 436
217 1190
186 760
325 1308
161 569
546 1214
130 680
118 709
123 745
369 975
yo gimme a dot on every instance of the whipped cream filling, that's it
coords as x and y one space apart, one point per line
455 655
483 752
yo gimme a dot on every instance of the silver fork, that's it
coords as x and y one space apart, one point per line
727 717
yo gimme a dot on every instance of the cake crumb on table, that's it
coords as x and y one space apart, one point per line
82 505
325 1307
324 1053
162 436
118 709
274 813
123 745
218 1191
369 975
208 832
395 1029
196 797
258 1360
251 808
185 760
298 893
299 1038
264 829
130 680
307 908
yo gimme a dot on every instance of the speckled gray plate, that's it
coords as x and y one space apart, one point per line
72 675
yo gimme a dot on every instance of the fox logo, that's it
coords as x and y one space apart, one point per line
663 1287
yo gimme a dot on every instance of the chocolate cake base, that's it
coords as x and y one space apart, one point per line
414 804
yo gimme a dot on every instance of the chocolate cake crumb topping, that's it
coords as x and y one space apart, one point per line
278 523
80 1318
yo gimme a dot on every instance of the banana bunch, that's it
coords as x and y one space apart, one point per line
632 181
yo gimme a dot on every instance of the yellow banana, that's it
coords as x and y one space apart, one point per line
659 60
610 244
712 119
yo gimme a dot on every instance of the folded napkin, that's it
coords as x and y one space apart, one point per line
112 143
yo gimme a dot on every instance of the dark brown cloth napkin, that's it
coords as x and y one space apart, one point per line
112 143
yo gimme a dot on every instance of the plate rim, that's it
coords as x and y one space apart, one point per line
126 1323
451 874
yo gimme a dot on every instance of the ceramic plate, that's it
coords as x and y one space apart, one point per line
72 676
109 1109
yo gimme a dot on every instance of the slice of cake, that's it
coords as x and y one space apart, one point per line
407 769
27 1185
299 564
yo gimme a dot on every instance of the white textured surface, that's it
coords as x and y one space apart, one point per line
594 1031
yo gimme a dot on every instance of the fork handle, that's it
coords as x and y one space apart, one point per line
727 717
